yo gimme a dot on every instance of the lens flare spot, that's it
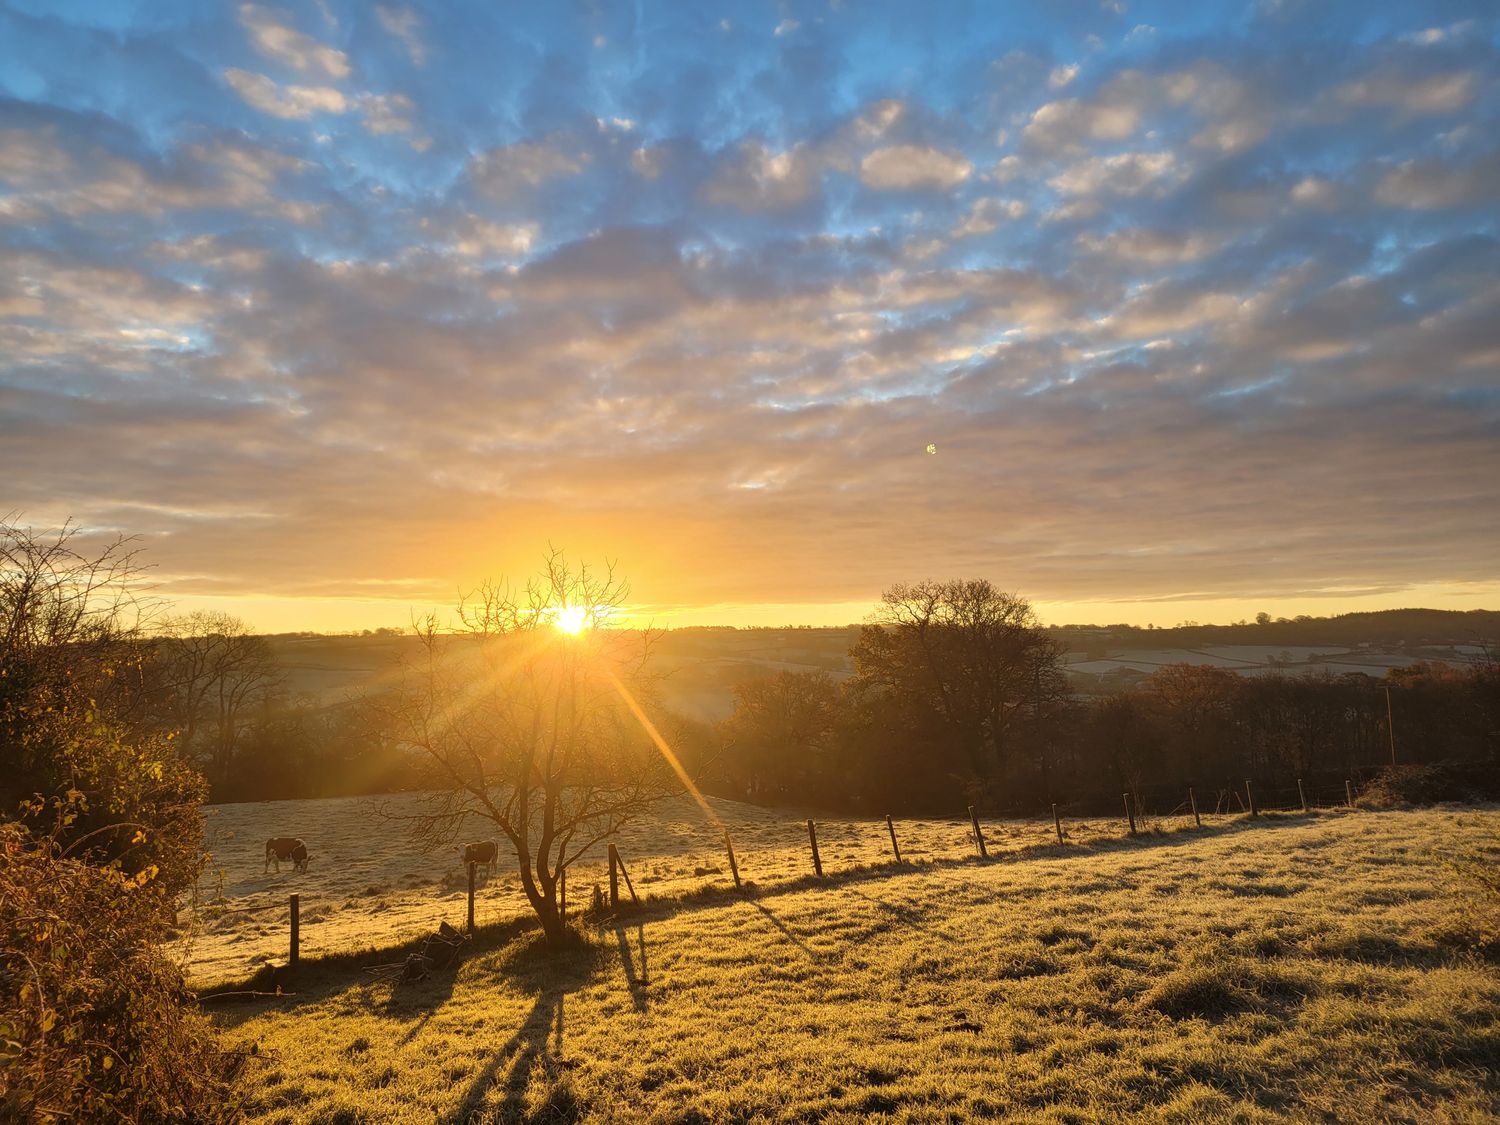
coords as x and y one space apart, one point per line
571 619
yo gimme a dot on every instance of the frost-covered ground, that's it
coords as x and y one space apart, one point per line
1296 969
369 885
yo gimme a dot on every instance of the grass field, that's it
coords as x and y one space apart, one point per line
1288 969
368 885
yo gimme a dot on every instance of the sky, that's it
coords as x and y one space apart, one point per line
1146 311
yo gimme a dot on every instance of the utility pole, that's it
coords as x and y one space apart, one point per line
1390 725
1036 726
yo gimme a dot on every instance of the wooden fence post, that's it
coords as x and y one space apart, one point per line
1130 813
734 868
812 835
1349 792
978 834
1302 793
614 877
1250 796
629 886
1193 800
1057 824
296 930
472 865
891 828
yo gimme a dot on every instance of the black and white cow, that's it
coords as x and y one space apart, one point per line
484 853
285 847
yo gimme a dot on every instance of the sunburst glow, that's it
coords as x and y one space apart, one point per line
572 619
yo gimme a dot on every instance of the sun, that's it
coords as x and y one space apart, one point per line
571 619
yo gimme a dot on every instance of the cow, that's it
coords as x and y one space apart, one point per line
484 853
285 847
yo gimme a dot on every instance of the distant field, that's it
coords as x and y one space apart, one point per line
699 669
1291 969
369 885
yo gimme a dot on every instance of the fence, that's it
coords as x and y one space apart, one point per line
856 842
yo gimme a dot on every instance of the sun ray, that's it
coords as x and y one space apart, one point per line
523 646
666 750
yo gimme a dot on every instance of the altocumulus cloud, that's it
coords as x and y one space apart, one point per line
318 298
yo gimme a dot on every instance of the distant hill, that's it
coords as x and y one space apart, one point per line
701 666
1391 628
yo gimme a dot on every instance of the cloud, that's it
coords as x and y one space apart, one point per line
1317 192
293 102
1437 93
878 119
1127 173
292 48
96 299
471 236
1430 185
405 25
1007 168
47 177
387 113
648 162
622 285
987 214
913 168
1432 36
758 178
504 172
1139 246
1072 121
1168 310
1232 113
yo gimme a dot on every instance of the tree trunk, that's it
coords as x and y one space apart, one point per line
541 893
553 927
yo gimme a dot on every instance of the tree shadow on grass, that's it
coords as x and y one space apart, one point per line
635 980
535 1050
787 932
1156 839
905 915
424 996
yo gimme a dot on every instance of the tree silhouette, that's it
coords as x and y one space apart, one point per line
967 662
541 733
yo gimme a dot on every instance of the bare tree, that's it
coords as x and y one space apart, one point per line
535 721
56 593
971 656
215 673
80 767
72 608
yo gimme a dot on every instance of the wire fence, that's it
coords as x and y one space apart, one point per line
225 938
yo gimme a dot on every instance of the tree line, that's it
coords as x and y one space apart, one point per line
958 696
957 691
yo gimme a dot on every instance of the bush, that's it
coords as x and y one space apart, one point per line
1224 986
1479 920
94 1021
1465 782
